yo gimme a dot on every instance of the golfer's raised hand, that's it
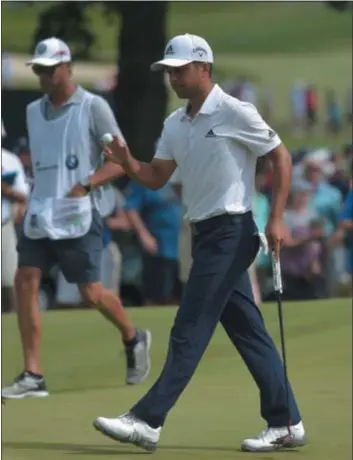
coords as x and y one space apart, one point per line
117 151
276 232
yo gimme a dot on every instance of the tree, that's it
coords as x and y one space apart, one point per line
339 6
141 95
68 21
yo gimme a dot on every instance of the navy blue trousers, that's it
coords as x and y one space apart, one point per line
219 289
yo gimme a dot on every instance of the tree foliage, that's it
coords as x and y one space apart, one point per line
140 99
70 22
339 6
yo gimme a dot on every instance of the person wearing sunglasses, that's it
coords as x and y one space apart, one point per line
63 224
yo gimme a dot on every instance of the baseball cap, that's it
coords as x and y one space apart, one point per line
182 50
50 52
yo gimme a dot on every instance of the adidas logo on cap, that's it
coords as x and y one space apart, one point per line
169 50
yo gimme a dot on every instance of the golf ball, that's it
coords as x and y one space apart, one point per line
107 138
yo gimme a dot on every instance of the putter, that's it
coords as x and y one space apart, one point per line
285 441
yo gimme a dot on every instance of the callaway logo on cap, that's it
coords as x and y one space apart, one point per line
50 52
182 50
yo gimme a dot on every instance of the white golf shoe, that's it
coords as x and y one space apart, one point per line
129 429
276 438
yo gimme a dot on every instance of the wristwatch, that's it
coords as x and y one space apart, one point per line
86 184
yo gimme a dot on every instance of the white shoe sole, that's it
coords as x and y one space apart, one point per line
148 370
274 447
28 394
106 431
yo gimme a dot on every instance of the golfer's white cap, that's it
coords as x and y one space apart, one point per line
50 52
182 50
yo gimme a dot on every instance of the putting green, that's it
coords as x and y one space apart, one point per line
85 373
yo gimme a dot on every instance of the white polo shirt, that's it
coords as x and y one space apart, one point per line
11 167
216 154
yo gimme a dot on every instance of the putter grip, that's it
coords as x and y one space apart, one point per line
276 270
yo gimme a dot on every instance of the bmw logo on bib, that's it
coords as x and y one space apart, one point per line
71 162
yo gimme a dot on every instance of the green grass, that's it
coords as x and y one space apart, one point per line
230 27
85 374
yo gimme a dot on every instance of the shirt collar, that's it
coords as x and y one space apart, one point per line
76 98
210 104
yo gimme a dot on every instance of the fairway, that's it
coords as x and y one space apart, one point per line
84 367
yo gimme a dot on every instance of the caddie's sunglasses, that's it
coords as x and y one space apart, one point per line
44 70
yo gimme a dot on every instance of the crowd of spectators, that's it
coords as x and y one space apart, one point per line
147 244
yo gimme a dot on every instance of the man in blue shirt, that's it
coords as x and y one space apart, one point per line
326 200
155 215
346 224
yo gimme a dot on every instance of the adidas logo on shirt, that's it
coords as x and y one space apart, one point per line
210 133
271 134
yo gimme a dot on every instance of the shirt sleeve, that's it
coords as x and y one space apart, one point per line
252 131
164 150
133 197
102 119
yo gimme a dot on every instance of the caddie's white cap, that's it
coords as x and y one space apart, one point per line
50 52
182 50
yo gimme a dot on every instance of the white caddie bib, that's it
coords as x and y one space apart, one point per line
60 152
58 218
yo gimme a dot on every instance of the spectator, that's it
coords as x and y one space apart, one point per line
14 191
312 105
268 104
325 200
342 240
261 211
333 112
249 92
298 105
338 178
155 216
348 152
346 225
302 251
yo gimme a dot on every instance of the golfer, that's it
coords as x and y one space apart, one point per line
215 141
63 225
